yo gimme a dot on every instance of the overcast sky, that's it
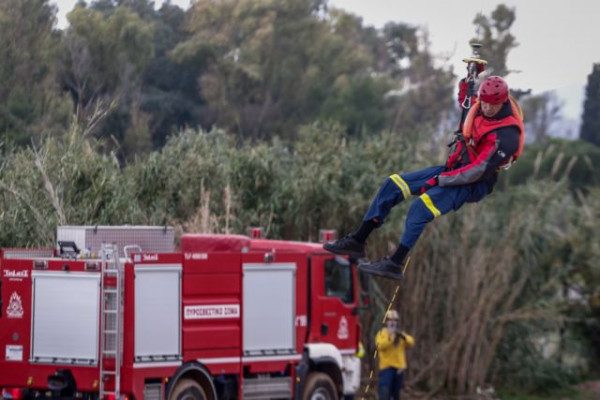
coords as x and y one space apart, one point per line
559 40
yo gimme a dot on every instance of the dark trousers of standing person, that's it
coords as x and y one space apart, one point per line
391 381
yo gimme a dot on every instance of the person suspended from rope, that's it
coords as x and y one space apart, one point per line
391 343
490 138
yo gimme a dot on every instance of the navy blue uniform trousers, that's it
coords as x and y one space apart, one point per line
390 383
433 203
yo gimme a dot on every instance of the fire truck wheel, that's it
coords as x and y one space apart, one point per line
319 386
188 389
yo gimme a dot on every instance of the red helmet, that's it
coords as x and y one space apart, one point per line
493 90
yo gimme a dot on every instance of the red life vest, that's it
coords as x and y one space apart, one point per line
476 126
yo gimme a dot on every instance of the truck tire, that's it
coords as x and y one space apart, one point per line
319 386
188 389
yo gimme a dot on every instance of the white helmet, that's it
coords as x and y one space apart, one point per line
391 314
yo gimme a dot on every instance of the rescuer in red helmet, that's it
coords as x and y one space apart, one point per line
492 138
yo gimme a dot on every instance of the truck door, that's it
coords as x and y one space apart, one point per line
269 306
333 302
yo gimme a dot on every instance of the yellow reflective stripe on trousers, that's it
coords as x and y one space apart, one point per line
402 185
429 204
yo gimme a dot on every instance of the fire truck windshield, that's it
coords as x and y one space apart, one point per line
338 279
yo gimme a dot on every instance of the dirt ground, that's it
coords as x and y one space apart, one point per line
592 387
589 391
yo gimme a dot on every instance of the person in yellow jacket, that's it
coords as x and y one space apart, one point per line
391 344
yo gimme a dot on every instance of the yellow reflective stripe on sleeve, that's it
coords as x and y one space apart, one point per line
429 204
402 185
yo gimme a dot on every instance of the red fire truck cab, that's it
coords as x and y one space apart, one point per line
118 312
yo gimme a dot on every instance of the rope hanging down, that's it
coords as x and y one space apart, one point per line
389 307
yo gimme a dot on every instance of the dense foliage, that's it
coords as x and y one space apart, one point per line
256 68
493 277
590 121
288 114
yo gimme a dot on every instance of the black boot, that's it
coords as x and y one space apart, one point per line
400 254
347 246
384 267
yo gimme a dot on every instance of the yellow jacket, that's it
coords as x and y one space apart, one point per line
391 355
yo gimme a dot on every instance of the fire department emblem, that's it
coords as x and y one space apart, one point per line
342 332
15 306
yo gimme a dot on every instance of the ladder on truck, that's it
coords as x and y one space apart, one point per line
111 322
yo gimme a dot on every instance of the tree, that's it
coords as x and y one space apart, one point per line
493 33
401 45
542 112
354 74
105 53
590 121
170 94
273 65
30 103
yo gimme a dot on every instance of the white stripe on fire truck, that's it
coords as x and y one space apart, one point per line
348 351
222 360
231 360
156 364
272 358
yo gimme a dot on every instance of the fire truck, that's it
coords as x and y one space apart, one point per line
118 312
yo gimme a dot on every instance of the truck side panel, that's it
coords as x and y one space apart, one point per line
15 320
212 309
17 368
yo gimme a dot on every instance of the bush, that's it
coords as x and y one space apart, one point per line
479 281
574 160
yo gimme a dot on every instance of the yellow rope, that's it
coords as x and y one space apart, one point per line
389 307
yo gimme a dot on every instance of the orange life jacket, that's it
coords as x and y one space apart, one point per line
476 126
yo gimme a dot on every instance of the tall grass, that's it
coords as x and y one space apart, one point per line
475 274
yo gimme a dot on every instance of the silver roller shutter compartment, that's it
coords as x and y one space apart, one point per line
269 308
157 312
66 316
